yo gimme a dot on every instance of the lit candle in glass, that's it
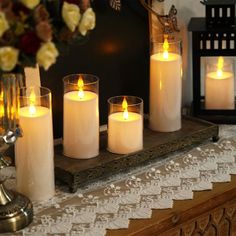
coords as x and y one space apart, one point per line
125 124
165 86
81 116
34 151
219 85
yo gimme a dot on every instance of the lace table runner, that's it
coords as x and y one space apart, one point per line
110 204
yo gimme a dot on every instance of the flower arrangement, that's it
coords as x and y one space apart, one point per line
32 31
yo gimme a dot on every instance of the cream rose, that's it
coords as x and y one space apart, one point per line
31 4
71 15
46 55
8 58
4 26
87 22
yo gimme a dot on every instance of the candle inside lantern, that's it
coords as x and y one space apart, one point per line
125 128
81 120
34 151
165 88
219 86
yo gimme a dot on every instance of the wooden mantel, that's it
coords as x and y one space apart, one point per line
210 213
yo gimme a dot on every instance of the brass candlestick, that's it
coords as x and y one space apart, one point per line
16 210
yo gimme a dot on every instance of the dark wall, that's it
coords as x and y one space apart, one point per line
117 51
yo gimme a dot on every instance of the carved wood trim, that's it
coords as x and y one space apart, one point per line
221 221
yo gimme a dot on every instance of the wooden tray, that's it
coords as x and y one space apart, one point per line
77 173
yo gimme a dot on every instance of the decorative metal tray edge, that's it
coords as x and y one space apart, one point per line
122 163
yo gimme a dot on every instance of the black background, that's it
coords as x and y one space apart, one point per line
117 51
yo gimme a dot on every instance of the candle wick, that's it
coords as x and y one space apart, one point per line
126 115
219 73
166 55
32 109
81 94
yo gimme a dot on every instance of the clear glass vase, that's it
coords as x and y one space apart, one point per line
9 104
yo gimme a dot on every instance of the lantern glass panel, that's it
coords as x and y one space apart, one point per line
218 83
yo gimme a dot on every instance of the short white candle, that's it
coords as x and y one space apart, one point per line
125 132
165 92
219 87
81 125
34 154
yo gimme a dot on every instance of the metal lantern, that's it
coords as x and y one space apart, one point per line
213 60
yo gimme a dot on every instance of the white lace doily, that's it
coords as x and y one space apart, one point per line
110 204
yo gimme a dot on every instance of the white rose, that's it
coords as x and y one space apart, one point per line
8 58
31 4
87 22
71 15
4 26
46 55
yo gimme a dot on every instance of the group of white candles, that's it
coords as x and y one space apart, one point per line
34 152
81 121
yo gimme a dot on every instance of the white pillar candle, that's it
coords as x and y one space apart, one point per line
219 86
34 154
81 125
165 92
125 135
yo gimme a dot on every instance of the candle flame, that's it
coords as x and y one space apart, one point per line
1 104
32 100
220 65
12 114
125 109
1 96
1 111
81 86
160 84
166 47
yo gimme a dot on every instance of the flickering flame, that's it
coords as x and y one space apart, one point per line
1 105
12 112
166 47
32 100
220 65
81 87
160 84
1 110
125 108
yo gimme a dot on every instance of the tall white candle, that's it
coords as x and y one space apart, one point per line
34 154
125 135
219 86
165 92
81 125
